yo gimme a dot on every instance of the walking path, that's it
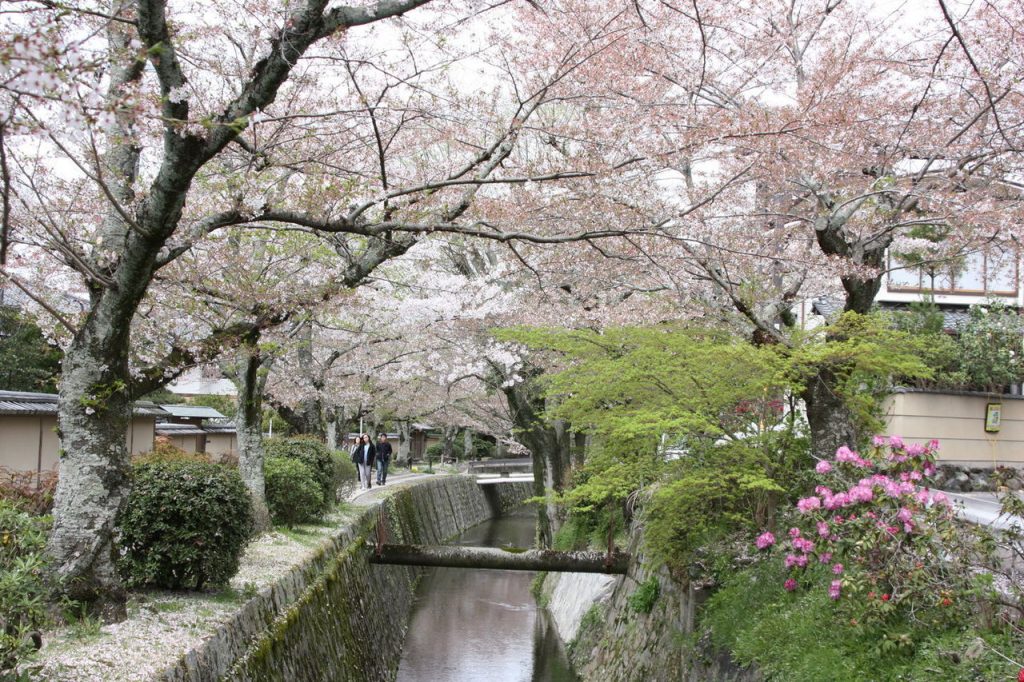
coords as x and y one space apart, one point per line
364 498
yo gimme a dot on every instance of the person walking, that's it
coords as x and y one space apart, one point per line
363 455
383 458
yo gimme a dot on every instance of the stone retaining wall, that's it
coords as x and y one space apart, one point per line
609 640
337 617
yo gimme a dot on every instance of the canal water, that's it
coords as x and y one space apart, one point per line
470 624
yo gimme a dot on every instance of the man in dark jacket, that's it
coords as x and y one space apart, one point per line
383 458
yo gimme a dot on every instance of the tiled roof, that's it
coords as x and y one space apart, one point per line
26 403
193 411
169 429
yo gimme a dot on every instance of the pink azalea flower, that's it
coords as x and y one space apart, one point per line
823 530
895 442
823 467
837 569
790 585
845 454
794 532
765 540
803 545
834 589
808 504
825 557
879 441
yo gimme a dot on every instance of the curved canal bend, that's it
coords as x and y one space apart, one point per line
483 624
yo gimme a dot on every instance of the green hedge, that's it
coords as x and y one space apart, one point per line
293 493
184 525
313 454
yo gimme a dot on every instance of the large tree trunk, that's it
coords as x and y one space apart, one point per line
548 450
94 409
94 413
448 443
404 442
828 417
251 379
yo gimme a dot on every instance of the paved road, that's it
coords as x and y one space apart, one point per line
983 508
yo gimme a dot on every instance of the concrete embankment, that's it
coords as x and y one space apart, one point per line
336 616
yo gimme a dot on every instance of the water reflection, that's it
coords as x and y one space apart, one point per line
483 624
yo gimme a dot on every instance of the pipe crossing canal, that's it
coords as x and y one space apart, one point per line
469 624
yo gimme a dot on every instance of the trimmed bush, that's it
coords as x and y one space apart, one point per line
184 525
293 492
23 590
344 474
313 454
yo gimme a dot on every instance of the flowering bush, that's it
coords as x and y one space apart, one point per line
889 546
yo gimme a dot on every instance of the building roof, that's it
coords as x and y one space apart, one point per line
220 428
193 412
26 403
171 429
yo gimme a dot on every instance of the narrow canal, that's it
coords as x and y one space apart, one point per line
483 624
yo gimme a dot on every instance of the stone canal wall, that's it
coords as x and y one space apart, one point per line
609 639
337 617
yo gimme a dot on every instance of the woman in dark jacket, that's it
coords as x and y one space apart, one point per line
363 456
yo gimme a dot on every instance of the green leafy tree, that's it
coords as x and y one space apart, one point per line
992 347
27 361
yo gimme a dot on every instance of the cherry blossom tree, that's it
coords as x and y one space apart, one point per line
853 132
134 131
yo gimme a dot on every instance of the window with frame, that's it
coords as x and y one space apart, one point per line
991 272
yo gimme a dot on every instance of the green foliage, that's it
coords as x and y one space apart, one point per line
184 525
27 361
864 353
589 528
23 588
434 451
343 478
798 637
293 492
632 384
313 454
712 492
643 598
987 353
938 350
225 404
991 348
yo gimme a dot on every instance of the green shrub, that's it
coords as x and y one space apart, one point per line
293 493
313 454
344 478
23 589
643 598
184 525
801 636
711 493
434 451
